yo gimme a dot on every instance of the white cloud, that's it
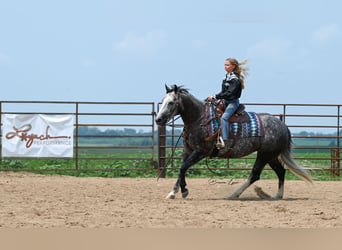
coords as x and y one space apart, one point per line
270 48
148 43
325 33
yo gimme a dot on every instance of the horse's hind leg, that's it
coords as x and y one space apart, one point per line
280 171
259 165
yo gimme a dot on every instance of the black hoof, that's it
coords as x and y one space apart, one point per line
185 193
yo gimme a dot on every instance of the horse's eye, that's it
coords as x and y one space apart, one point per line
171 103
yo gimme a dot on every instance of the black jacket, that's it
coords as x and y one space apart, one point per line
231 88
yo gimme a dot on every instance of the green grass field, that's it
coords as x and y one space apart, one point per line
123 163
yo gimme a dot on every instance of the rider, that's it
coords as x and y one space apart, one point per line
232 86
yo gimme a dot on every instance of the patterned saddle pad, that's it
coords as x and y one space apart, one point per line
247 129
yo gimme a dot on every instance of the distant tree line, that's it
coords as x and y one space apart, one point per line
131 136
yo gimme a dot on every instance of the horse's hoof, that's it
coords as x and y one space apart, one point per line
185 194
171 195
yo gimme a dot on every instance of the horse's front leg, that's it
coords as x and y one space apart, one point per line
175 190
188 161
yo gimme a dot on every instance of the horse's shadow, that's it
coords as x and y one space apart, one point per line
257 199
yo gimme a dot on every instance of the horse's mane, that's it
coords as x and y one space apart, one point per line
178 89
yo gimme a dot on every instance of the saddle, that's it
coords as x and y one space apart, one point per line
240 115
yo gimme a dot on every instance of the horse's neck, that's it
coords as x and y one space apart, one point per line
192 112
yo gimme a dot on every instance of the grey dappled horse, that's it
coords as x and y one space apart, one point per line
274 148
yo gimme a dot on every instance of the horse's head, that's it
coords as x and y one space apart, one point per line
170 105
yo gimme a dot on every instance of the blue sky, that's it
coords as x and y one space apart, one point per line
81 50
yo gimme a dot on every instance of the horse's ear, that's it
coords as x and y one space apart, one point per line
168 89
175 88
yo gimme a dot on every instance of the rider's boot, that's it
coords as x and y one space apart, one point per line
220 143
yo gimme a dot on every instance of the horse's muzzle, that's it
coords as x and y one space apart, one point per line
161 121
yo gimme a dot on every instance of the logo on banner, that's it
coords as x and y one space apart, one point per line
23 134
37 135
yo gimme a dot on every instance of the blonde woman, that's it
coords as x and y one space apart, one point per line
232 86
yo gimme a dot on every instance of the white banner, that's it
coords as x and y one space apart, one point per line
37 135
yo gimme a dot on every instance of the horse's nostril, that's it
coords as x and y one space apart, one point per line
160 121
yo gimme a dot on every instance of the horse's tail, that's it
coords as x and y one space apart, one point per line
288 160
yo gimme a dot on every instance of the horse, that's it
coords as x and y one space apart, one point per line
273 148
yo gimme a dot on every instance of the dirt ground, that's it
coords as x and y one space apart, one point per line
37 201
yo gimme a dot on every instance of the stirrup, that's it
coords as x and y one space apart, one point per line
220 143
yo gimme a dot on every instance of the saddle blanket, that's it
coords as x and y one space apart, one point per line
247 129
236 129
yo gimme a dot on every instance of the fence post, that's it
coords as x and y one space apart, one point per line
335 162
76 139
161 151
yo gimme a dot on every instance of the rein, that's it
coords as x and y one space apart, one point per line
213 171
170 124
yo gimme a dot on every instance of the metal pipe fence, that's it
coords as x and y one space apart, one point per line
122 136
105 136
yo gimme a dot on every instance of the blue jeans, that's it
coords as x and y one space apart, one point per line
230 109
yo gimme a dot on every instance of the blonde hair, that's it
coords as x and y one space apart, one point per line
240 70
